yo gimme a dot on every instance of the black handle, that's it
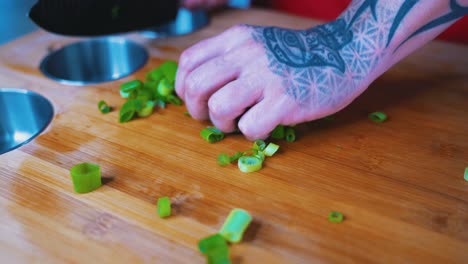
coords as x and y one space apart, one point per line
101 17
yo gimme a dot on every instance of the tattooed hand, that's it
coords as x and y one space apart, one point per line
255 78
268 76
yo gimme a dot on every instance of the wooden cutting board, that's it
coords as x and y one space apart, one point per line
399 184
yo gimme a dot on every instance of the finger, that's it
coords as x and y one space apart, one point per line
206 50
204 81
262 118
230 102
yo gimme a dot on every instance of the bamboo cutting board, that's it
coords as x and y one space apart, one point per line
399 184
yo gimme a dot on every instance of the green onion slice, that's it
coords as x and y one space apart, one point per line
155 75
335 217
290 134
173 99
259 154
329 118
169 68
466 174
236 156
271 149
186 113
378 117
212 134
164 207
259 144
223 159
128 110
278 132
235 225
212 243
249 163
128 87
144 95
104 107
147 109
218 257
165 88
86 177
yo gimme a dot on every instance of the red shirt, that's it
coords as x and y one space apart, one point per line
330 9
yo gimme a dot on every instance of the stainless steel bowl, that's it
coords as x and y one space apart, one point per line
94 61
23 116
186 22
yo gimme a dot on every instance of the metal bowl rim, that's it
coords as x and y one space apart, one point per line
50 118
120 40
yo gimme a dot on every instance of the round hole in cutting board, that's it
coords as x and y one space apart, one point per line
23 116
94 61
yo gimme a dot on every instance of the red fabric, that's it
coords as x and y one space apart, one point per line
330 9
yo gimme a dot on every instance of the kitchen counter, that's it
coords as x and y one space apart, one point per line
399 184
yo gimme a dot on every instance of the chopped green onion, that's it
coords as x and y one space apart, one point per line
466 174
278 132
218 257
128 87
259 144
259 154
378 117
165 88
335 217
271 149
169 68
128 110
86 177
329 118
147 109
173 99
104 107
155 75
144 95
290 134
249 163
235 225
164 207
223 159
212 134
236 156
187 114
211 243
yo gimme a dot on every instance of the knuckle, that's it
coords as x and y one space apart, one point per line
192 87
217 107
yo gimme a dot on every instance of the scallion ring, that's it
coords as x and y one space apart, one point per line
335 217
378 117
212 134
271 149
249 163
104 107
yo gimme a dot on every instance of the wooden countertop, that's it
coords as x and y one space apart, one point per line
400 184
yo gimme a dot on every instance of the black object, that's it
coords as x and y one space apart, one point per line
101 17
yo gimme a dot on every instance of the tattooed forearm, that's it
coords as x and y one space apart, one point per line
325 66
367 4
402 12
457 11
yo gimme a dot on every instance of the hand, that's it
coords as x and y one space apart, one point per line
266 76
203 4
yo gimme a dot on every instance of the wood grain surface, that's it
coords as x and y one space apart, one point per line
399 184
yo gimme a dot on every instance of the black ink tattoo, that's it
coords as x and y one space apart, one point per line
367 4
323 66
457 11
318 46
402 12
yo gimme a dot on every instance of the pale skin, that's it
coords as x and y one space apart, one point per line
254 78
